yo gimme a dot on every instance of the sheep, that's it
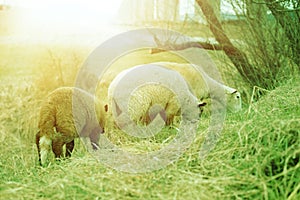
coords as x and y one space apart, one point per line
66 114
205 87
146 97
151 97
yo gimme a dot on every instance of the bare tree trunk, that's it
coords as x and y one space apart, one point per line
237 57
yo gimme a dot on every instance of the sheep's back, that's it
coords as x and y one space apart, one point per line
195 80
144 97
73 110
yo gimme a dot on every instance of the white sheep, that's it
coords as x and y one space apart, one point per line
204 87
68 113
156 96
149 97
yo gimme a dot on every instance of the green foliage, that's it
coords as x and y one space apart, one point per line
269 49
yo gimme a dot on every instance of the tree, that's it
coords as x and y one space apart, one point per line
268 52
238 58
287 13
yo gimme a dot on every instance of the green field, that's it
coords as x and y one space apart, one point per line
256 157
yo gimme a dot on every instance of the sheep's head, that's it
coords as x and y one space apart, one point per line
234 101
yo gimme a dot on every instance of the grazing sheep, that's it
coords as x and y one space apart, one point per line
204 87
148 97
68 113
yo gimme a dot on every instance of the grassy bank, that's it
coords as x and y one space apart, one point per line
257 156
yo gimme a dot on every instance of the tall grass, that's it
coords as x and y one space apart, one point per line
257 156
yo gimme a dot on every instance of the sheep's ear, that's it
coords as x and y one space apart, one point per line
201 104
106 107
118 110
230 91
235 91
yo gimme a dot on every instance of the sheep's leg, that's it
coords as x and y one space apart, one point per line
94 137
169 120
69 148
170 112
57 148
37 141
44 144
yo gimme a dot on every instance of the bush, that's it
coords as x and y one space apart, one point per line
267 46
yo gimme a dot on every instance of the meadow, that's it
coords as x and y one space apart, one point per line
256 157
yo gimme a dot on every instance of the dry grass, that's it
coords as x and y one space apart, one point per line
257 156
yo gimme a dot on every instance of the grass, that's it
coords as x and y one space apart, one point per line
257 156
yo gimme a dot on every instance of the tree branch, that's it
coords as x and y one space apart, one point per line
290 23
186 45
280 8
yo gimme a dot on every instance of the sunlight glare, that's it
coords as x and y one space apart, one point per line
67 15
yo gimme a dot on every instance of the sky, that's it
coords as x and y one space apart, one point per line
64 15
72 15
106 7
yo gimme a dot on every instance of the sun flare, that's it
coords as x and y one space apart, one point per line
54 16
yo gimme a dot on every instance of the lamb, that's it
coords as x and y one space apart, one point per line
146 97
66 114
206 88
148 86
